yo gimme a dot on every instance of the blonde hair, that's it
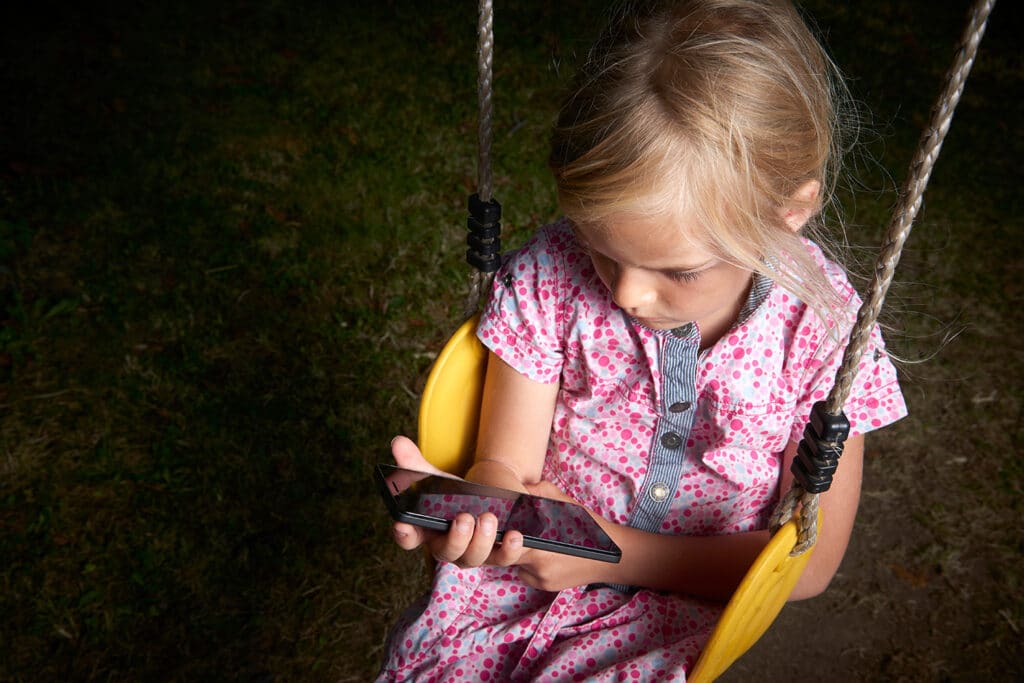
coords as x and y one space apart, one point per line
722 107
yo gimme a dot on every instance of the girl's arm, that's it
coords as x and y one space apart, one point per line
515 425
710 566
839 510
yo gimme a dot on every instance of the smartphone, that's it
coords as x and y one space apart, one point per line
433 501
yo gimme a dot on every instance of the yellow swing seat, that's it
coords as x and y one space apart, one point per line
448 420
450 406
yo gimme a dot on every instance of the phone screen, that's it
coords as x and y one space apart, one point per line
434 501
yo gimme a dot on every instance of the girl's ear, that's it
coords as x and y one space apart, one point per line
801 205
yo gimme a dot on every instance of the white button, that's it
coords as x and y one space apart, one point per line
659 492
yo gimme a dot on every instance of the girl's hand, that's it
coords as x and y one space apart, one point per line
407 454
556 571
470 541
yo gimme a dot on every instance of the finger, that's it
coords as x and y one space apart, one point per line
407 455
482 543
451 546
510 552
407 536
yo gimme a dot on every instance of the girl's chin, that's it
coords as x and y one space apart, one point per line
659 323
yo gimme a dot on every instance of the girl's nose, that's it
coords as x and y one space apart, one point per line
632 289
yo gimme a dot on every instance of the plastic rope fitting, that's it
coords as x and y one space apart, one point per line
817 456
484 238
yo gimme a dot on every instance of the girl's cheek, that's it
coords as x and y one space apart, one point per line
606 281
603 273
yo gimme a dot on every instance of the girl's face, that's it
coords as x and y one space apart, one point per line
664 279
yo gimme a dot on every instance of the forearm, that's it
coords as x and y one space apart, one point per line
705 566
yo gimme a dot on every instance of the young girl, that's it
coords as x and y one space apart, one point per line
654 357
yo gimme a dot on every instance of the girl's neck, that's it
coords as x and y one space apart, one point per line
715 327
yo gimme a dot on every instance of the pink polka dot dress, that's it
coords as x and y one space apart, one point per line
648 431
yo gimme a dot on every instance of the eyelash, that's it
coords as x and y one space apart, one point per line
684 275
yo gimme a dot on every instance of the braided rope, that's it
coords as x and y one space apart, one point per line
485 88
909 204
480 282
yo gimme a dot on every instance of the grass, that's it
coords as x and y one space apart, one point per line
231 242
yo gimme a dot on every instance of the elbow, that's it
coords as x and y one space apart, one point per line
805 590
813 582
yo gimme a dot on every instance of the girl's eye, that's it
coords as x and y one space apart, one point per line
684 275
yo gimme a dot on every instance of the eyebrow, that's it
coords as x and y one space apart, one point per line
694 269
585 243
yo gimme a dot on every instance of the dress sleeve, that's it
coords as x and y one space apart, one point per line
875 398
523 320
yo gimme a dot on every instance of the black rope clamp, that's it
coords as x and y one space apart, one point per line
484 237
819 451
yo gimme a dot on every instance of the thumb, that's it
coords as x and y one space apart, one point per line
407 455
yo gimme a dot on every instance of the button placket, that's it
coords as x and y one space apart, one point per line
678 364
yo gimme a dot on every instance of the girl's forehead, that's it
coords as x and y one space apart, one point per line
652 241
635 227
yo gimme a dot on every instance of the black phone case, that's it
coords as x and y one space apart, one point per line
521 504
